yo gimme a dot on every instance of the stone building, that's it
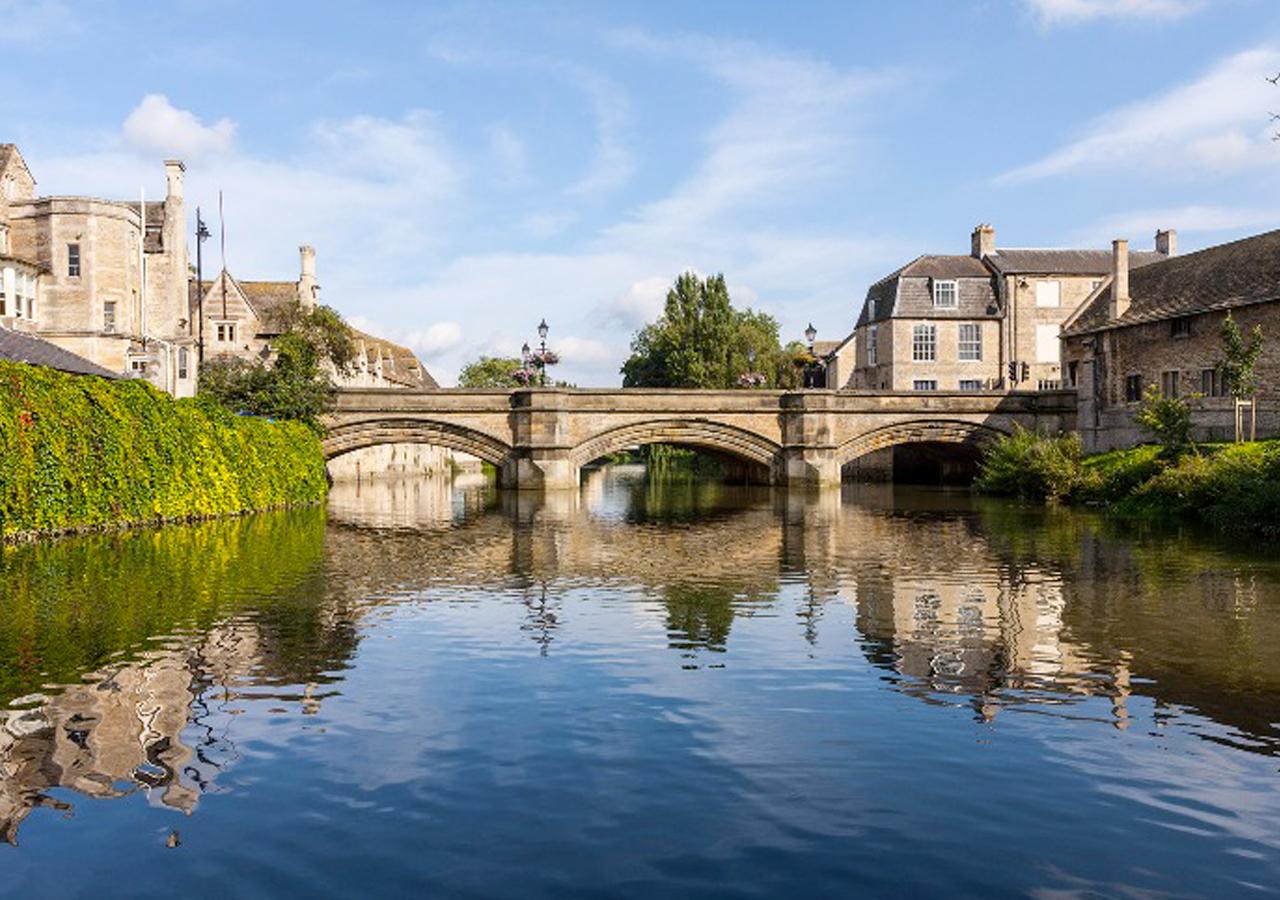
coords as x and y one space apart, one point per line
242 318
1160 325
104 279
986 321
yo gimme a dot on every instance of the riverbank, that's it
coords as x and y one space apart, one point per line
1230 487
80 453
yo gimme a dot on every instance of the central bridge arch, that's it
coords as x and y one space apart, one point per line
924 431
700 433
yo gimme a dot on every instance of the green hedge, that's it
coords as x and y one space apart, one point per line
80 452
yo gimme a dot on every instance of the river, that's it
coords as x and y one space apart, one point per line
642 689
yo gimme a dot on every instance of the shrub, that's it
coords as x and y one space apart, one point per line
79 451
1030 465
1167 419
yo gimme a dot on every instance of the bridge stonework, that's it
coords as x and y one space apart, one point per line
540 438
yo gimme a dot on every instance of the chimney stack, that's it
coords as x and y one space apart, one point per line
173 177
983 241
1119 279
1167 242
307 287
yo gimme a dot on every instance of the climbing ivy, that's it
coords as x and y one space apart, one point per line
79 452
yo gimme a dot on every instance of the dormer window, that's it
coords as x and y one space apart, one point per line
871 308
945 294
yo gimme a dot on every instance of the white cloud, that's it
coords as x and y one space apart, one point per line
157 126
1216 123
1069 12
640 303
436 339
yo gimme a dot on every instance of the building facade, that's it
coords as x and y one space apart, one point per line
240 320
104 279
982 322
1161 326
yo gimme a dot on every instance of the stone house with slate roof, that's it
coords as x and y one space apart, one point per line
102 279
1159 325
241 319
983 322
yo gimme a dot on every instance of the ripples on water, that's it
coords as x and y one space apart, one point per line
638 690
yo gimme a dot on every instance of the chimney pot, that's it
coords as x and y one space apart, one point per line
307 287
1167 242
174 170
983 241
1119 279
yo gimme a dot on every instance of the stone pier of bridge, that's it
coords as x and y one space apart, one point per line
539 439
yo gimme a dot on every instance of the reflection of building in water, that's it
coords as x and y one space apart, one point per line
409 503
400 461
122 730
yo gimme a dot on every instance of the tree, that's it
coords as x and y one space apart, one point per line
1239 359
1167 419
295 383
701 341
489 372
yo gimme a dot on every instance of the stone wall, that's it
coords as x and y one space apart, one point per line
1105 359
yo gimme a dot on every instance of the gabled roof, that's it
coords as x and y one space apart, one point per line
400 364
26 348
10 153
1223 277
1016 261
262 297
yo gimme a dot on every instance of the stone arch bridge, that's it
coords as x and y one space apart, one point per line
540 438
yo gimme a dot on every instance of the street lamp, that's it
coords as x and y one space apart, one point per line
202 235
543 328
809 334
524 353
812 365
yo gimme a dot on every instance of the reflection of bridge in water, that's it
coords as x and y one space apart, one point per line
542 438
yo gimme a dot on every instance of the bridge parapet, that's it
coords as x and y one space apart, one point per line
540 438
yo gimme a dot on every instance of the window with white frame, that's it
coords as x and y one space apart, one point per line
924 384
25 301
1048 293
871 345
1047 350
871 307
4 297
924 343
946 293
184 363
109 317
225 332
73 260
970 349
970 384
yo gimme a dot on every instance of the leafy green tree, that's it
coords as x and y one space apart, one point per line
1167 419
489 372
701 341
296 383
1239 359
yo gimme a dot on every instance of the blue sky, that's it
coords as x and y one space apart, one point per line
465 169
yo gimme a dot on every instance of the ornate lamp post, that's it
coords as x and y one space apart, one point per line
814 377
202 235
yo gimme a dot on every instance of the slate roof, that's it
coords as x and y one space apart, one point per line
1223 277
908 292
1014 261
26 348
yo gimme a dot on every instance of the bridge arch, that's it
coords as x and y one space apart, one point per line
701 433
345 437
922 431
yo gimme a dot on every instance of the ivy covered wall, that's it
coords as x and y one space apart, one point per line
79 452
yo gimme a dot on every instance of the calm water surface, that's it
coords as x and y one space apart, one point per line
641 690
